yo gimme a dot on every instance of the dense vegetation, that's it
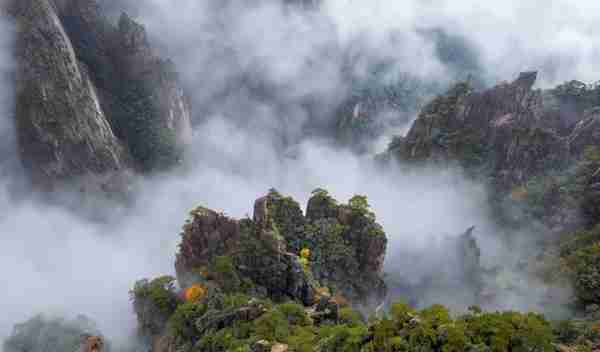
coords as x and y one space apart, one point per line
226 307
345 329
130 101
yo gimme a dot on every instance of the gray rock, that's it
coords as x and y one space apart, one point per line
501 129
92 100
62 129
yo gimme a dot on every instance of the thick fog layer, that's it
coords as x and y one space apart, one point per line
54 260
556 37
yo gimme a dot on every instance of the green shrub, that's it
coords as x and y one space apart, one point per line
235 300
350 317
402 314
182 322
360 205
302 339
223 340
136 120
226 274
342 338
359 202
579 240
160 292
294 313
566 331
287 216
272 326
585 266
509 331
384 333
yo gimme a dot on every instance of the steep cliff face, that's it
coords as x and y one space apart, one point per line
158 75
92 99
62 128
146 106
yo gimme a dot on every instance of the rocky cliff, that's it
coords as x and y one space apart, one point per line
232 271
288 281
532 146
502 129
92 99
288 255
511 131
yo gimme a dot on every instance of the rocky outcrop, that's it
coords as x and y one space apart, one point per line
264 273
288 255
347 244
154 302
536 149
208 234
255 250
511 131
74 118
502 130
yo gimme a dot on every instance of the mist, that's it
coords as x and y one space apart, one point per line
56 260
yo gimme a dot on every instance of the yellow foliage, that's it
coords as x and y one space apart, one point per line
305 253
195 293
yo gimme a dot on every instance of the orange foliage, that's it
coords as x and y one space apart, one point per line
195 293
